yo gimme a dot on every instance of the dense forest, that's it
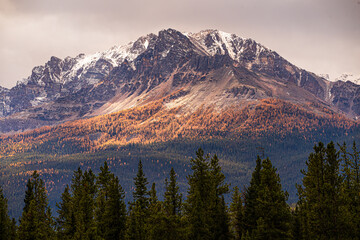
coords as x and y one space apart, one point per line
93 206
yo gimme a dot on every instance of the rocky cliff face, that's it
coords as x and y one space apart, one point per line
209 67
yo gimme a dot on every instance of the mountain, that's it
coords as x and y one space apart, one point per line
348 77
160 98
232 68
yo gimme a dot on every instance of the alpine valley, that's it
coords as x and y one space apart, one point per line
159 99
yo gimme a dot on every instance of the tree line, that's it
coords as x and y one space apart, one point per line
93 206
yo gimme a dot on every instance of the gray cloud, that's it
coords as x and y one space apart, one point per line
321 36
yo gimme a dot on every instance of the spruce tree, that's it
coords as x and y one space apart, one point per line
156 220
274 216
172 196
350 191
206 211
136 224
84 215
29 195
7 226
251 194
319 196
36 221
102 184
198 199
173 208
220 220
65 222
114 216
237 215
332 188
141 195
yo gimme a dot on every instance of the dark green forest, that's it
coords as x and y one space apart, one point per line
93 206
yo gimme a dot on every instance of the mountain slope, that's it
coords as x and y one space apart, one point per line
155 66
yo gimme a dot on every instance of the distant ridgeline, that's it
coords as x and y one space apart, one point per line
93 206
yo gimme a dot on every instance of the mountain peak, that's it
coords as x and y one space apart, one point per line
207 67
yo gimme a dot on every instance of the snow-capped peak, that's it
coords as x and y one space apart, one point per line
349 77
343 77
219 42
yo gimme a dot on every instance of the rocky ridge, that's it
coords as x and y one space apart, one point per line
209 67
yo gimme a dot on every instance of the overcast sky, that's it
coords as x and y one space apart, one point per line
322 36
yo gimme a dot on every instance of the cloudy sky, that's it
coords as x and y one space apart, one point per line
322 36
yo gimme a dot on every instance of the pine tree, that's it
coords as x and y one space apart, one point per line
36 221
332 188
237 214
297 231
173 208
115 211
173 198
274 216
84 215
319 196
251 195
65 222
350 191
153 199
156 220
141 194
206 211
198 199
29 195
102 184
220 219
168 214
136 224
7 226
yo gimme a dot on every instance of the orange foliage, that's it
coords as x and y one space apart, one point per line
154 123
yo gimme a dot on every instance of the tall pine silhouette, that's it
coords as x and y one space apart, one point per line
136 224
319 196
36 221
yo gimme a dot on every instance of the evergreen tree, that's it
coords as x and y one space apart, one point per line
36 221
206 211
332 188
198 199
274 216
319 196
79 211
102 184
350 192
84 215
173 208
156 220
172 196
13 230
65 222
153 199
237 214
141 195
220 220
7 226
297 231
136 226
251 195
29 195
115 211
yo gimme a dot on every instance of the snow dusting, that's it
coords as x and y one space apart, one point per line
218 42
355 78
